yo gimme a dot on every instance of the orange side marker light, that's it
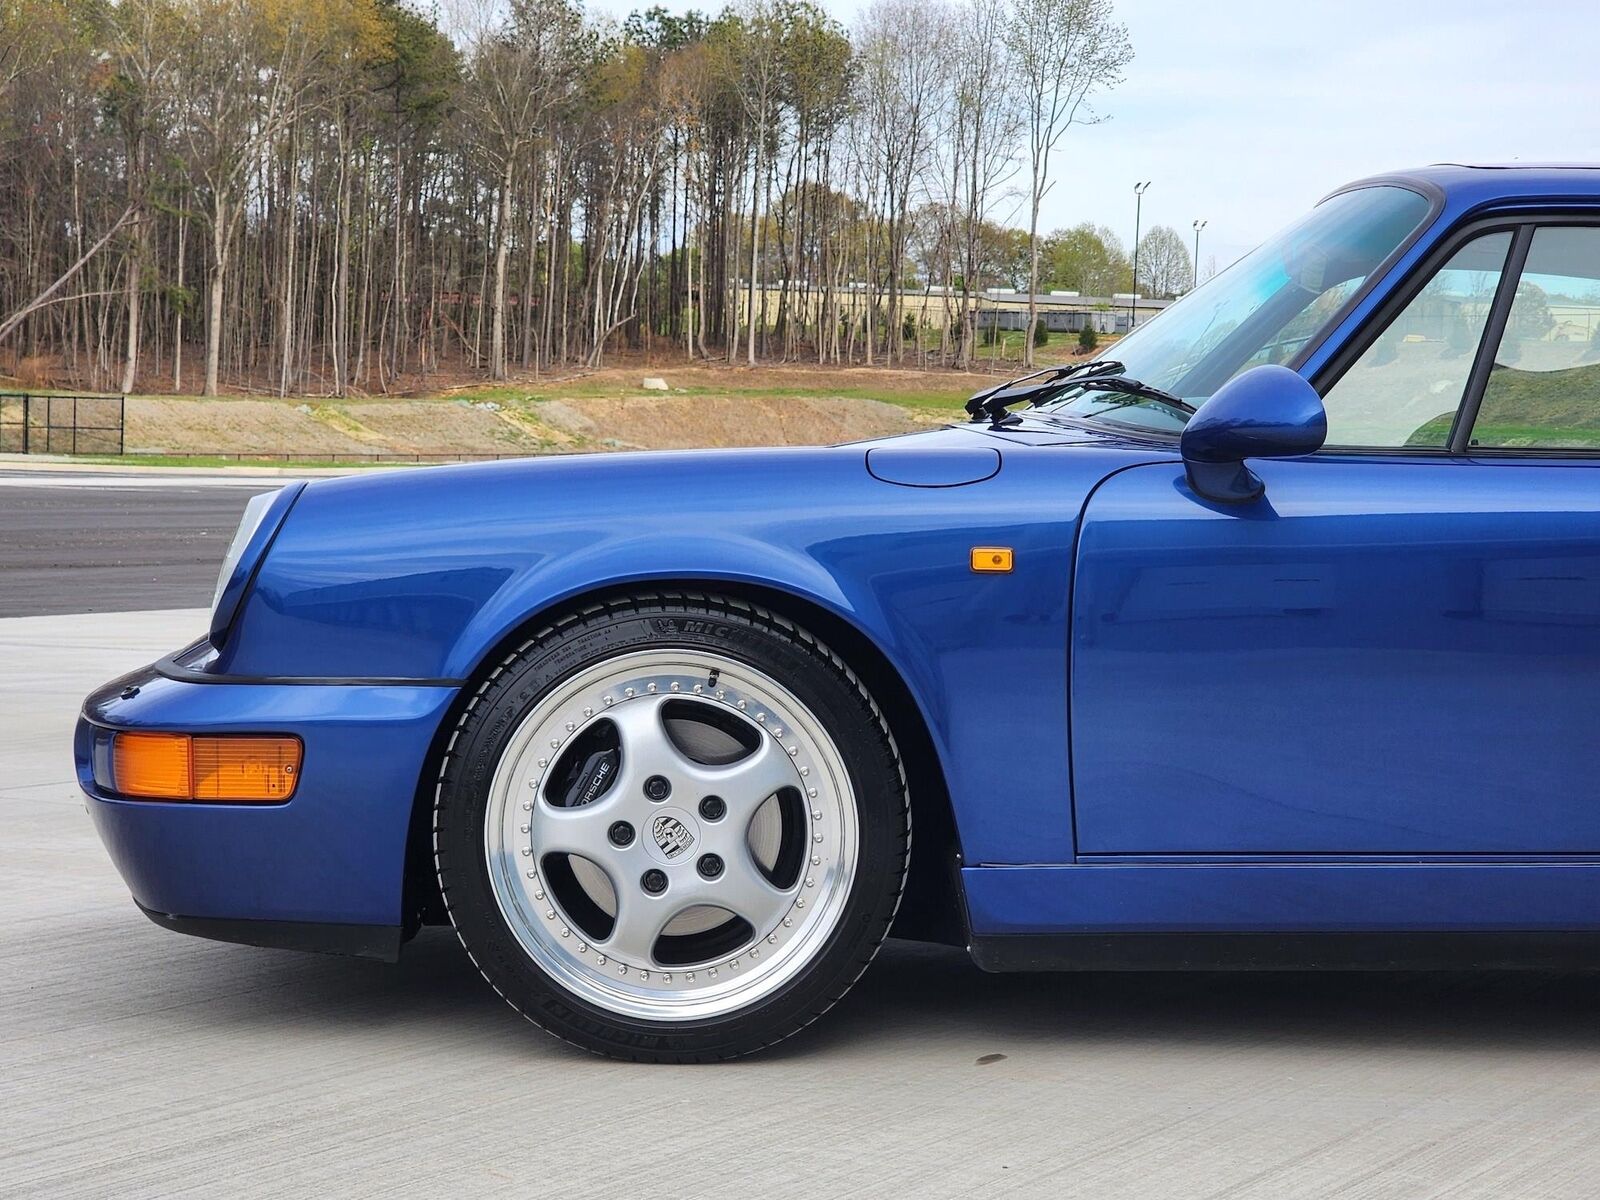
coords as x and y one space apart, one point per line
992 560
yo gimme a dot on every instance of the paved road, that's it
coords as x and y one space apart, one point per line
136 1062
109 543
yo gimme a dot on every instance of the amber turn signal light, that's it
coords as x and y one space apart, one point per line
995 560
242 769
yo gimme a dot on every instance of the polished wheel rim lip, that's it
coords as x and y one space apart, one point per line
518 817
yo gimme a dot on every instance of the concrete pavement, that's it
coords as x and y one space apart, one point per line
136 1062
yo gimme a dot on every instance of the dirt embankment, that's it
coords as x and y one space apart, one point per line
703 406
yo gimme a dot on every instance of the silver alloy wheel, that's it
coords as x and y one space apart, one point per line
787 796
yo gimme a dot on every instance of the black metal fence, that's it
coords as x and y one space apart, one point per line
32 424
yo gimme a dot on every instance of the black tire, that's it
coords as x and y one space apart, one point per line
752 635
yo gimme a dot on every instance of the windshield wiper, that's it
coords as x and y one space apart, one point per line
991 404
1134 388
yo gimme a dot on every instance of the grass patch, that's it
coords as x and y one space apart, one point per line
217 460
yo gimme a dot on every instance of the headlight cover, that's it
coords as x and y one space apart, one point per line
262 517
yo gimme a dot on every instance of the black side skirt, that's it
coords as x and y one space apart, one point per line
381 942
1542 950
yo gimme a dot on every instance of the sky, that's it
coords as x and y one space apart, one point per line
1244 113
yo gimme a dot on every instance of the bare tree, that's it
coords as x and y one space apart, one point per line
519 69
1165 267
985 118
1066 51
901 89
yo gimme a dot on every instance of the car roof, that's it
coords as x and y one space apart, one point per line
1472 185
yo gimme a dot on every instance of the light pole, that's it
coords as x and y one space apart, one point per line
1198 226
1133 299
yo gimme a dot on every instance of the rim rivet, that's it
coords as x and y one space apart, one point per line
816 860
533 874
816 814
667 976
816 837
601 959
805 770
566 932
550 914
773 938
622 968
526 851
588 712
810 882
583 947
674 687
538 895
571 725
799 903
777 731
610 700
755 951
524 829
698 688
741 704
555 742
793 750
713 972
691 977
811 793
527 806
620 833
787 922
653 881
650 687
628 692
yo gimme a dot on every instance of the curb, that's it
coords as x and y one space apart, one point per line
56 464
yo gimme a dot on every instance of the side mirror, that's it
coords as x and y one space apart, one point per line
1267 412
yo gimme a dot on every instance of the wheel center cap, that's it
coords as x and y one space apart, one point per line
672 835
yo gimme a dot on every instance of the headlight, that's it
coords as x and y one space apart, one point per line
254 513
262 517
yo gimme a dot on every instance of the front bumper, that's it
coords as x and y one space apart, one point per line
317 872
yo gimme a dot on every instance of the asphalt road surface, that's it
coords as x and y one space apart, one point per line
79 542
137 1062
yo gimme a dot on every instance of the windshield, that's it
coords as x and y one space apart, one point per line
1262 309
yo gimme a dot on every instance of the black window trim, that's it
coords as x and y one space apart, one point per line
1522 223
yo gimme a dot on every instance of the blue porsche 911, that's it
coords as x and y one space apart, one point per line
1273 642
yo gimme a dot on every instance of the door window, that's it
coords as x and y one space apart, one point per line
1405 388
1544 390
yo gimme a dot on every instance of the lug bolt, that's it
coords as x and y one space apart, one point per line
710 866
657 788
653 881
713 808
621 833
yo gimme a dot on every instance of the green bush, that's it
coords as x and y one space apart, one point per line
1041 335
1088 339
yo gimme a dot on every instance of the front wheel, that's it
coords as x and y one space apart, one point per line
672 829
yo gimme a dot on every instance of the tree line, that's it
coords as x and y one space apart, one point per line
334 195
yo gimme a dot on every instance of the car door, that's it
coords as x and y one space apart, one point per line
1397 650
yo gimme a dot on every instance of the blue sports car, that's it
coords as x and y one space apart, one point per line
1273 642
